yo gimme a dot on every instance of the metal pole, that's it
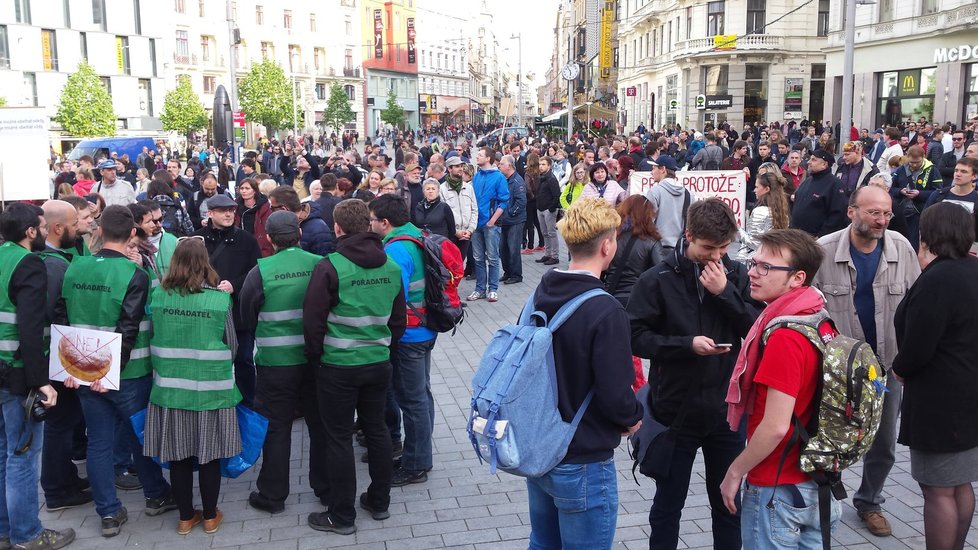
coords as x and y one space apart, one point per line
847 78
570 83
295 110
519 79
233 81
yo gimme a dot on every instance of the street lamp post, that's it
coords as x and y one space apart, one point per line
519 79
295 108
845 124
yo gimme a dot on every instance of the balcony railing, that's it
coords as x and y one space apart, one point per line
351 71
753 42
944 21
182 59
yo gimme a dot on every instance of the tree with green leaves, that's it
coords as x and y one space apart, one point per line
3 101
182 110
338 111
265 96
394 113
85 108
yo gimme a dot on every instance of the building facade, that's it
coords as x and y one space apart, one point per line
488 79
390 59
43 41
443 69
713 61
914 59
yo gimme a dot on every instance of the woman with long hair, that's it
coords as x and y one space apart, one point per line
370 184
771 212
575 185
531 227
638 250
253 211
191 420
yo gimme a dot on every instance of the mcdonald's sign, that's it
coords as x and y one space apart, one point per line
908 83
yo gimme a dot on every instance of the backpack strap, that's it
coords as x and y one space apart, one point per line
620 266
569 308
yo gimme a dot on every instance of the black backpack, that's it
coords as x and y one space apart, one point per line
176 220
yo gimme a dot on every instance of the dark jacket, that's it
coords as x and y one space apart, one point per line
588 355
938 359
645 254
548 192
820 205
515 211
317 236
253 221
927 181
232 261
947 164
365 250
289 172
667 308
27 291
194 202
436 218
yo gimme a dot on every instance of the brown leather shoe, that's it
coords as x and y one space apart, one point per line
876 523
212 525
185 526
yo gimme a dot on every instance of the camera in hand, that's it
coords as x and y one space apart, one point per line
38 411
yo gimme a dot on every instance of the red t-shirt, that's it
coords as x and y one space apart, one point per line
791 365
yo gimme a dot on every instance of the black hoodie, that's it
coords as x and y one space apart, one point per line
365 250
588 354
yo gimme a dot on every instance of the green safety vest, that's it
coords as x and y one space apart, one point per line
415 289
356 328
164 253
193 369
94 289
11 254
284 280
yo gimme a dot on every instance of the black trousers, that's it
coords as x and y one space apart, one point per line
343 390
280 393
59 476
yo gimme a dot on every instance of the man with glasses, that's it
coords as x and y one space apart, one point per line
820 201
690 313
158 243
950 158
913 184
233 252
864 275
854 170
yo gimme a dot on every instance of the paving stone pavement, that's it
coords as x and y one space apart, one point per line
462 506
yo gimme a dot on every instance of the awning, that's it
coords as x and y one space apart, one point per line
597 111
562 112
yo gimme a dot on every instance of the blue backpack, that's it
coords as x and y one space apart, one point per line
514 423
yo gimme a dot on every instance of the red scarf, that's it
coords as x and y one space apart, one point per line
740 393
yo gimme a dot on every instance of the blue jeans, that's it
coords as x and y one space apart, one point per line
18 473
509 251
101 411
412 388
485 251
792 521
574 506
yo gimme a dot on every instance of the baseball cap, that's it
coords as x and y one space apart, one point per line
879 131
454 161
221 200
666 162
411 166
282 222
824 155
107 164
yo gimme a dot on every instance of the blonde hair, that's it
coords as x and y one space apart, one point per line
896 161
585 222
266 186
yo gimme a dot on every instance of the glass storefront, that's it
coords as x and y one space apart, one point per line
971 93
906 95
755 94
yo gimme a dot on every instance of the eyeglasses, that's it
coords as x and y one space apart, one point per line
278 207
957 139
877 214
157 221
763 269
181 239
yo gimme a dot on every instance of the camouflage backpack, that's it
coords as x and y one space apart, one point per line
850 405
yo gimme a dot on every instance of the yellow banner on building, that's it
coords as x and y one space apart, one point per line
120 55
725 42
46 50
605 55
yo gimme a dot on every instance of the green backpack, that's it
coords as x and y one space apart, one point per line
850 406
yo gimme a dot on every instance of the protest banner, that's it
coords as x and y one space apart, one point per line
86 355
730 186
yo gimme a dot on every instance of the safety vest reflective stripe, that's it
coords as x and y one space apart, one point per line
271 341
145 325
347 344
192 385
6 317
139 353
288 315
154 283
9 345
365 321
193 354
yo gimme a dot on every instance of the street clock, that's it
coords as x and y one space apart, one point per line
570 71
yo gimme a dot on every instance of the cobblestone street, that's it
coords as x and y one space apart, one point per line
461 506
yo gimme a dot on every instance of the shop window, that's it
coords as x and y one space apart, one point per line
971 92
816 95
715 79
906 95
755 93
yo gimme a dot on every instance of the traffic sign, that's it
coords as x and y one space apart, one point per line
239 119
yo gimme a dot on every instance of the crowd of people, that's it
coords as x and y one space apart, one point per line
265 284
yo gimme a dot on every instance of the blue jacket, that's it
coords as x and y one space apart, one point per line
515 212
317 237
491 192
410 258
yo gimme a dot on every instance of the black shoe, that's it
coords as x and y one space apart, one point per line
322 522
404 477
541 260
160 505
378 515
551 261
396 446
513 280
259 501
112 524
71 501
470 277
84 485
127 481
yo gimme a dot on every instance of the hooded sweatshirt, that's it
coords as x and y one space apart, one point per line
491 192
669 198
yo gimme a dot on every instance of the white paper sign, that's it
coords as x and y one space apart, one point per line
85 355
730 186
24 154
